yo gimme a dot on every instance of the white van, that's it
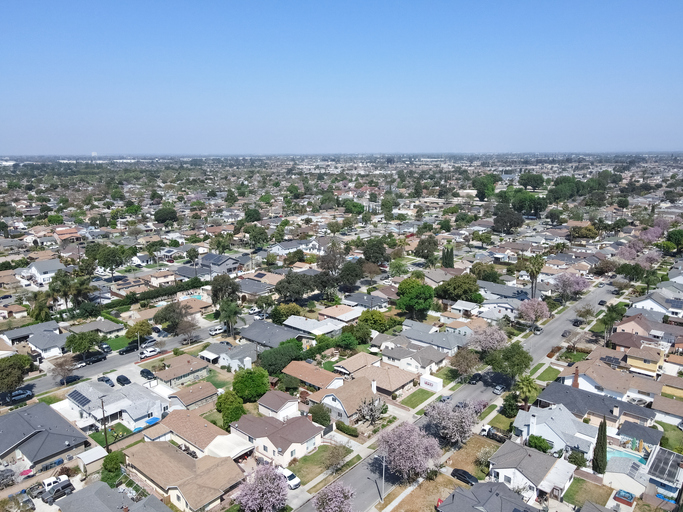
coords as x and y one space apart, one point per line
217 330
292 480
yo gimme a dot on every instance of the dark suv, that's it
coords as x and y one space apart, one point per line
57 491
133 347
94 357
147 374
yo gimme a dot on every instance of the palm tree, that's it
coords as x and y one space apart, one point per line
40 311
526 387
613 314
81 289
193 254
651 279
534 266
60 286
230 315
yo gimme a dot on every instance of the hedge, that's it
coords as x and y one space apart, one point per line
349 431
134 298
107 316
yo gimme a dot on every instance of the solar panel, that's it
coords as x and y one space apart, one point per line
665 465
79 398
611 360
260 275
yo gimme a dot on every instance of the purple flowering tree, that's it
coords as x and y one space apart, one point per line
648 260
409 451
570 285
626 253
533 310
651 235
263 490
662 224
336 497
454 425
488 339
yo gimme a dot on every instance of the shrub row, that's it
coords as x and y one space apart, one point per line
349 431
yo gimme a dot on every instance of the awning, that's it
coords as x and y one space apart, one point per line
152 421
85 422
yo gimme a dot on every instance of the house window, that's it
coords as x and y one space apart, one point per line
508 480
265 449
334 399
165 408
251 439
292 453
149 414
177 497
339 415
647 361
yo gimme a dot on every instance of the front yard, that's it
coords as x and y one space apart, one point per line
501 422
310 466
424 497
549 374
581 491
118 343
447 374
416 398
465 457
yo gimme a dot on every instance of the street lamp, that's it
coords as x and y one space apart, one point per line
384 462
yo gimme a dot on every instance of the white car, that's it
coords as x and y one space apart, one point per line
254 310
149 352
292 480
78 364
217 330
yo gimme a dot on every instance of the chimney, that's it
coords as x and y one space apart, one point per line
532 425
125 509
615 410
575 382
374 387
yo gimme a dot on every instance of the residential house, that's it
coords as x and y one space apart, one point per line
39 435
413 358
43 271
102 327
190 484
646 361
501 291
642 325
13 311
390 380
343 313
307 246
23 334
134 405
388 292
251 290
488 497
215 264
224 354
559 427
365 301
279 441
159 279
312 327
354 363
99 497
343 402
314 376
584 404
535 473
268 334
446 342
278 404
183 369
191 397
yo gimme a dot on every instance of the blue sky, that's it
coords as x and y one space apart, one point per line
232 77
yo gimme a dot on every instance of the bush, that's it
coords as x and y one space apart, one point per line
178 352
394 396
510 408
578 459
349 431
320 414
538 443
293 462
113 461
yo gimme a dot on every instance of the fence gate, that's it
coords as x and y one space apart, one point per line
329 428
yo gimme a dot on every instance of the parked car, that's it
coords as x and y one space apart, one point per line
128 349
123 380
106 380
147 374
254 310
538 330
190 339
4 297
566 333
104 347
147 342
149 352
444 398
226 343
217 330
20 395
615 292
69 380
94 357
293 481
577 322
601 285
36 490
25 502
78 364
57 491
499 389
464 476
602 302
475 378
155 329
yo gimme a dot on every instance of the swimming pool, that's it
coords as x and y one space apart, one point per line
185 297
611 452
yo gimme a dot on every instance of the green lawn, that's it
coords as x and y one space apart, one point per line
447 374
329 365
49 399
561 310
625 304
535 369
673 437
196 349
581 491
455 386
598 327
501 422
214 416
599 313
365 347
218 380
549 374
119 431
527 335
310 466
574 356
118 343
210 317
416 398
487 411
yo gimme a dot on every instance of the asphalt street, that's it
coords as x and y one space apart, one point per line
366 477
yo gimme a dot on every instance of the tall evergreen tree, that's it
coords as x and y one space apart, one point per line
447 257
600 452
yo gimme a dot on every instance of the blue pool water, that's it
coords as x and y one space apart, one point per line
611 452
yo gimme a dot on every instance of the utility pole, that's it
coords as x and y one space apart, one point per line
384 460
104 422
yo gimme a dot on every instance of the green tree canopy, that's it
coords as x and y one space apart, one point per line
414 297
250 384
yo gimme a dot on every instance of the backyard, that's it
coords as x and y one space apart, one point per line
581 491
310 466
673 437
218 380
416 398
114 432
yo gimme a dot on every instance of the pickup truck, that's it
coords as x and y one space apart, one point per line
494 433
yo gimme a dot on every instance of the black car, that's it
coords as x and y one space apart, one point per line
156 329
69 380
602 303
133 347
475 378
94 357
577 322
147 374
5 297
106 380
464 476
566 333
104 347
123 380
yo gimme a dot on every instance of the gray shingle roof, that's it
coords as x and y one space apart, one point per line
635 431
267 333
534 465
99 497
30 330
485 497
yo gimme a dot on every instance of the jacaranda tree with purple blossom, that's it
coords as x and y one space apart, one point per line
263 490
410 452
488 339
570 285
336 497
533 310
454 425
